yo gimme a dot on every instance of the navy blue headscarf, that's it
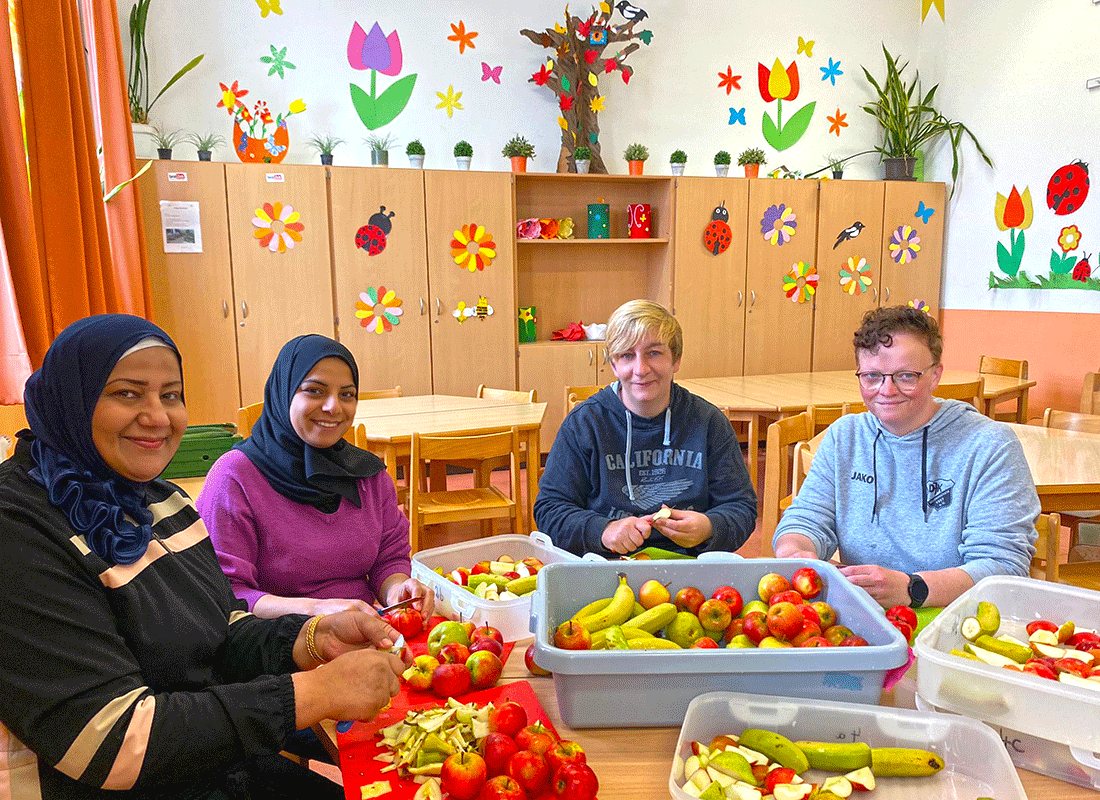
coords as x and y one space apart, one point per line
318 477
60 400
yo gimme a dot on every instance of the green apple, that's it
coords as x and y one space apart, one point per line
740 640
684 629
754 605
445 633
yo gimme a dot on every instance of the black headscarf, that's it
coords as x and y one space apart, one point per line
60 400
296 470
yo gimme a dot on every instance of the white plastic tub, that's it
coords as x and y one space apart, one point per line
975 763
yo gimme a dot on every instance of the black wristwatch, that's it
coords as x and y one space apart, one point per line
918 591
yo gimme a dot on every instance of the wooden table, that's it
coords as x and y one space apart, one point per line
1065 466
633 763
387 425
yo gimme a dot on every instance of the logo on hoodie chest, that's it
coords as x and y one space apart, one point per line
939 493
863 477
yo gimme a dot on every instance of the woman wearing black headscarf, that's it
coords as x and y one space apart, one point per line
304 522
127 667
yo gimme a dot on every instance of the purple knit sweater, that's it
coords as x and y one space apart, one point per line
269 544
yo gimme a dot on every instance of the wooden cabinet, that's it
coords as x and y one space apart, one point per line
778 331
399 350
709 287
548 367
917 279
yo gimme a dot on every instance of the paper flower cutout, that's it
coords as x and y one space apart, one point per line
473 247
1014 211
728 81
462 36
375 50
920 305
831 72
837 122
229 97
548 228
460 311
904 244
379 310
450 100
277 227
528 229
778 224
278 62
565 228
1069 238
856 279
800 284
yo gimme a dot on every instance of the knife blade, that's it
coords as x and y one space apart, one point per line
401 604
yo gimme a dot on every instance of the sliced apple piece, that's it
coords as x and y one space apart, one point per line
753 756
838 785
1065 631
793 791
721 778
1047 650
1043 636
742 791
862 779
723 742
701 778
692 765
677 768
699 749
691 790
1076 680
1080 655
713 792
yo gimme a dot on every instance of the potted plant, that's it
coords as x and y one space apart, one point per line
380 148
910 122
676 161
582 156
324 145
464 153
165 141
722 163
837 166
636 155
518 149
205 144
415 151
751 158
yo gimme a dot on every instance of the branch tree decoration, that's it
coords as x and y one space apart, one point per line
572 71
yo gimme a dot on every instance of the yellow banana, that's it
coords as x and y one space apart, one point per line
615 613
654 619
776 747
593 607
836 756
599 638
904 762
615 638
638 609
636 633
652 644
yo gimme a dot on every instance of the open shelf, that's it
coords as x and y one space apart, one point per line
545 242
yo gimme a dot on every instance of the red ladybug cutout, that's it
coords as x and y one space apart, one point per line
1082 272
1068 187
717 236
372 236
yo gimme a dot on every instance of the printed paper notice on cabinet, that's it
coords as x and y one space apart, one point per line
180 228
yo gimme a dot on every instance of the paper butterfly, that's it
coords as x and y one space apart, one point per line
806 47
267 6
737 115
488 72
923 212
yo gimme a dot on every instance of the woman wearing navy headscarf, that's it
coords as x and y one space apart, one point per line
304 522
127 667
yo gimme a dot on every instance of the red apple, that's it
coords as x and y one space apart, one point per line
565 752
532 564
1072 665
904 627
835 633
502 787
574 782
530 770
1040 668
490 645
905 614
825 612
406 621
704 643
1041 625
816 641
508 718
809 631
652 593
485 668
536 737
853 641
571 635
496 749
731 597
785 621
755 626
529 660
451 680
789 596
469 627
760 772
460 575
419 675
453 653
770 584
689 599
809 614
735 628
481 568
487 631
714 615
777 776
807 582
463 774
512 575
1084 641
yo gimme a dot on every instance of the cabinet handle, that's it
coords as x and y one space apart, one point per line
887 294
875 289
225 310
421 306
438 307
591 358
606 357
752 298
244 310
740 298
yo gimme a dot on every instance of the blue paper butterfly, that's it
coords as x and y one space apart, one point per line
924 212
488 72
737 115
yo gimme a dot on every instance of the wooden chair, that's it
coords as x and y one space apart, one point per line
479 503
970 392
1047 564
1084 423
377 394
12 420
988 365
821 417
487 393
777 466
483 471
1090 394
578 394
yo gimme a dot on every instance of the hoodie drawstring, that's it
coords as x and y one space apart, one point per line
874 471
668 422
626 457
924 474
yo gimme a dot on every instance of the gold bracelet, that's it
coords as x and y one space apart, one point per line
311 643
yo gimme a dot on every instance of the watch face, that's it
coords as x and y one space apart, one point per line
918 590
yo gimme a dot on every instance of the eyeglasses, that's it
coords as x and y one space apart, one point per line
905 380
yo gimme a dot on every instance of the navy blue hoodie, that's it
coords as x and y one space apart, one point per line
608 463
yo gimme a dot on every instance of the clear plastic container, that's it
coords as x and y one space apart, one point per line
975 763
510 617
618 688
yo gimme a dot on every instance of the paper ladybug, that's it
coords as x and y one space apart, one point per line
1082 271
1068 187
372 236
717 236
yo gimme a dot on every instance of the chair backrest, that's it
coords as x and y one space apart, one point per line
247 417
970 391
803 459
578 394
377 394
822 417
487 393
1090 394
1045 563
1071 421
988 365
777 466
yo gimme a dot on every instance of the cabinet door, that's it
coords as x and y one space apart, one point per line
471 349
604 373
913 279
391 342
709 287
779 332
193 292
849 260
549 367
279 295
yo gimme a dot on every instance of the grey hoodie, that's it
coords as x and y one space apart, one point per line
955 493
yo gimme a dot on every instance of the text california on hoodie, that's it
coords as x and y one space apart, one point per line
954 493
608 463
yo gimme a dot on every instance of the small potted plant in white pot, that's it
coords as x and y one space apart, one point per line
722 163
582 157
415 151
518 149
464 153
324 145
751 158
205 145
380 148
636 155
165 141
676 162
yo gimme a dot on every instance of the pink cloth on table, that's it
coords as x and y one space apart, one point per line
897 673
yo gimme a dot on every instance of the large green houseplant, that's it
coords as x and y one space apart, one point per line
138 75
910 121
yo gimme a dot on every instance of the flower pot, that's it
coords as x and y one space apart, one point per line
164 153
519 163
838 174
463 162
583 165
143 140
380 158
721 170
752 170
899 169
271 150
416 160
677 168
635 167
326 159
204 155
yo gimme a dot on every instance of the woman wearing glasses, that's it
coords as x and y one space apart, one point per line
920 497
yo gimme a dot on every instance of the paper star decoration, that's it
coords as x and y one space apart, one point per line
462 36
925 5
728 80
278 62
450 100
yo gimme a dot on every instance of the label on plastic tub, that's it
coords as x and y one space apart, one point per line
843 680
